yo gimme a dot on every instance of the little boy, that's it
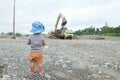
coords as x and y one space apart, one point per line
36 42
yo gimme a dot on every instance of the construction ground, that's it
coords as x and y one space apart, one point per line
84 58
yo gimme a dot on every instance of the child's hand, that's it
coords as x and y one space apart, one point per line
46 47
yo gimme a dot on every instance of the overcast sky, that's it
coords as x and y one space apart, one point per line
79 14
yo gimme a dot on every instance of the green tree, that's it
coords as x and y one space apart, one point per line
18 34
9 33
78 32
97 31
117 29
89 31
105 30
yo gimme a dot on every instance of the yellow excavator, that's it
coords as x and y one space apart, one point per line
62 33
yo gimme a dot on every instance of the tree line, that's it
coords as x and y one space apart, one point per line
105 31
11 33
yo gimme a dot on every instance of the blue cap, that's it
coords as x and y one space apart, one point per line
37 27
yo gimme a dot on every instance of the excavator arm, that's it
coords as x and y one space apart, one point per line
64 21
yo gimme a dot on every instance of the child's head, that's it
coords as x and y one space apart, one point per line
37 27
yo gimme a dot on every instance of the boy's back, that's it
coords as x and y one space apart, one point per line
36 41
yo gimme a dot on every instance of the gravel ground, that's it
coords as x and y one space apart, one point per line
77 59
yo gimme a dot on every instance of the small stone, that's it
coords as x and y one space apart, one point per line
96 76
107 77
6 77
56 63
64 66
48 76
70 71
24 79
99 72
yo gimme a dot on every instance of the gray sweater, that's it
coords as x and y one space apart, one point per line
36 41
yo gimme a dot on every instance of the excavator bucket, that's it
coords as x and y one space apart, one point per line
64 21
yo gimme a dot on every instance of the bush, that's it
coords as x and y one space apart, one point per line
111 34
18 34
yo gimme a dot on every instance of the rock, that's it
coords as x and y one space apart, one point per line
83 66
64 66
47 76
106 77
24 79
6 77
56 63
70 71
96 76
99 72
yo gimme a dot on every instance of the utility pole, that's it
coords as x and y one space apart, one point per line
14 37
